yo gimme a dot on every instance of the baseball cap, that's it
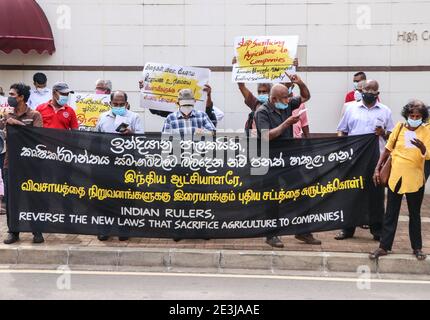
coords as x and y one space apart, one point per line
186 97
62 87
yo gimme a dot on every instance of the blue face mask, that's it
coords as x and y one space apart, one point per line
63 100
119 111
281 106
263 98
415 123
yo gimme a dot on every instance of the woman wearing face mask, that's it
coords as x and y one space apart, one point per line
409 148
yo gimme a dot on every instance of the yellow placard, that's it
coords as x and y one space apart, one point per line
89 107
264 59
163 82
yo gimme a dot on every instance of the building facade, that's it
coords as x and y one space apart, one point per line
113 39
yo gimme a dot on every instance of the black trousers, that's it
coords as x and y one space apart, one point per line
6 198
375 212
391 219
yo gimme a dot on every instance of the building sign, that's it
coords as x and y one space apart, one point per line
413 36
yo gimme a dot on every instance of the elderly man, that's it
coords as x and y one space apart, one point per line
368 116
275 120
215 114
22 115
255 102
119 120
187 120
41 94
103 86
56 114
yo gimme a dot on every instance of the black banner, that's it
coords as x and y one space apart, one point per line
140 186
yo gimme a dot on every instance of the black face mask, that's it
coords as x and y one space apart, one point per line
11 101
370 98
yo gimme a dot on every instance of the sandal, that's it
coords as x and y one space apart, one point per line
420 255
377 253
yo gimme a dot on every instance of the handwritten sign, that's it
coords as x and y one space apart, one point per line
89 107
264 59
4 107
162 83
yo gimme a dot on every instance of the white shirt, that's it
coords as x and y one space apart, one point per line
108 122
37 98
359 119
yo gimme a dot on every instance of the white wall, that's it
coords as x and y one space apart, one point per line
201 33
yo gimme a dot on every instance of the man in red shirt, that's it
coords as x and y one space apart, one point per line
56 114
358 77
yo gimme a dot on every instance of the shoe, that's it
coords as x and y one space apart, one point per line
308 239
123 238
420 255
12 238
103 238
365 227
274 242
38 238
377 253
177 240
342 236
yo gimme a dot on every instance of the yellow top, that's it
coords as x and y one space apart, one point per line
408 163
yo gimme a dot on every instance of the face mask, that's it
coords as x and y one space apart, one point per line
263 98
63 100
40 90
415 123
355 85
186 110
119 111
12 102
100 92
281 106
369 98
358 96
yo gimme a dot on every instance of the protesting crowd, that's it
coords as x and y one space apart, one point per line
277 111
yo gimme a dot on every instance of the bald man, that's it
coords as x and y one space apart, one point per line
366 117
275 120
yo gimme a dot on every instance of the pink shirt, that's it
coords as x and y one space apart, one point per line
303 122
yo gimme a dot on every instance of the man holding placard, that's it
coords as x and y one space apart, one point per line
187 121
275 120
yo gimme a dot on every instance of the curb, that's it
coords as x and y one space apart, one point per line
168 259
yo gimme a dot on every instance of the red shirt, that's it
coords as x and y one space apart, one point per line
64 118
350 97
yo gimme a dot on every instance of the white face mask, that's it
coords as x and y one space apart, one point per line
186 109
358 96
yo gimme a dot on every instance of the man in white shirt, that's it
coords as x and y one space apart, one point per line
119 119
368 116
41 94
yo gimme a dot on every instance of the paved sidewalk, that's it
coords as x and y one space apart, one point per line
361 243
